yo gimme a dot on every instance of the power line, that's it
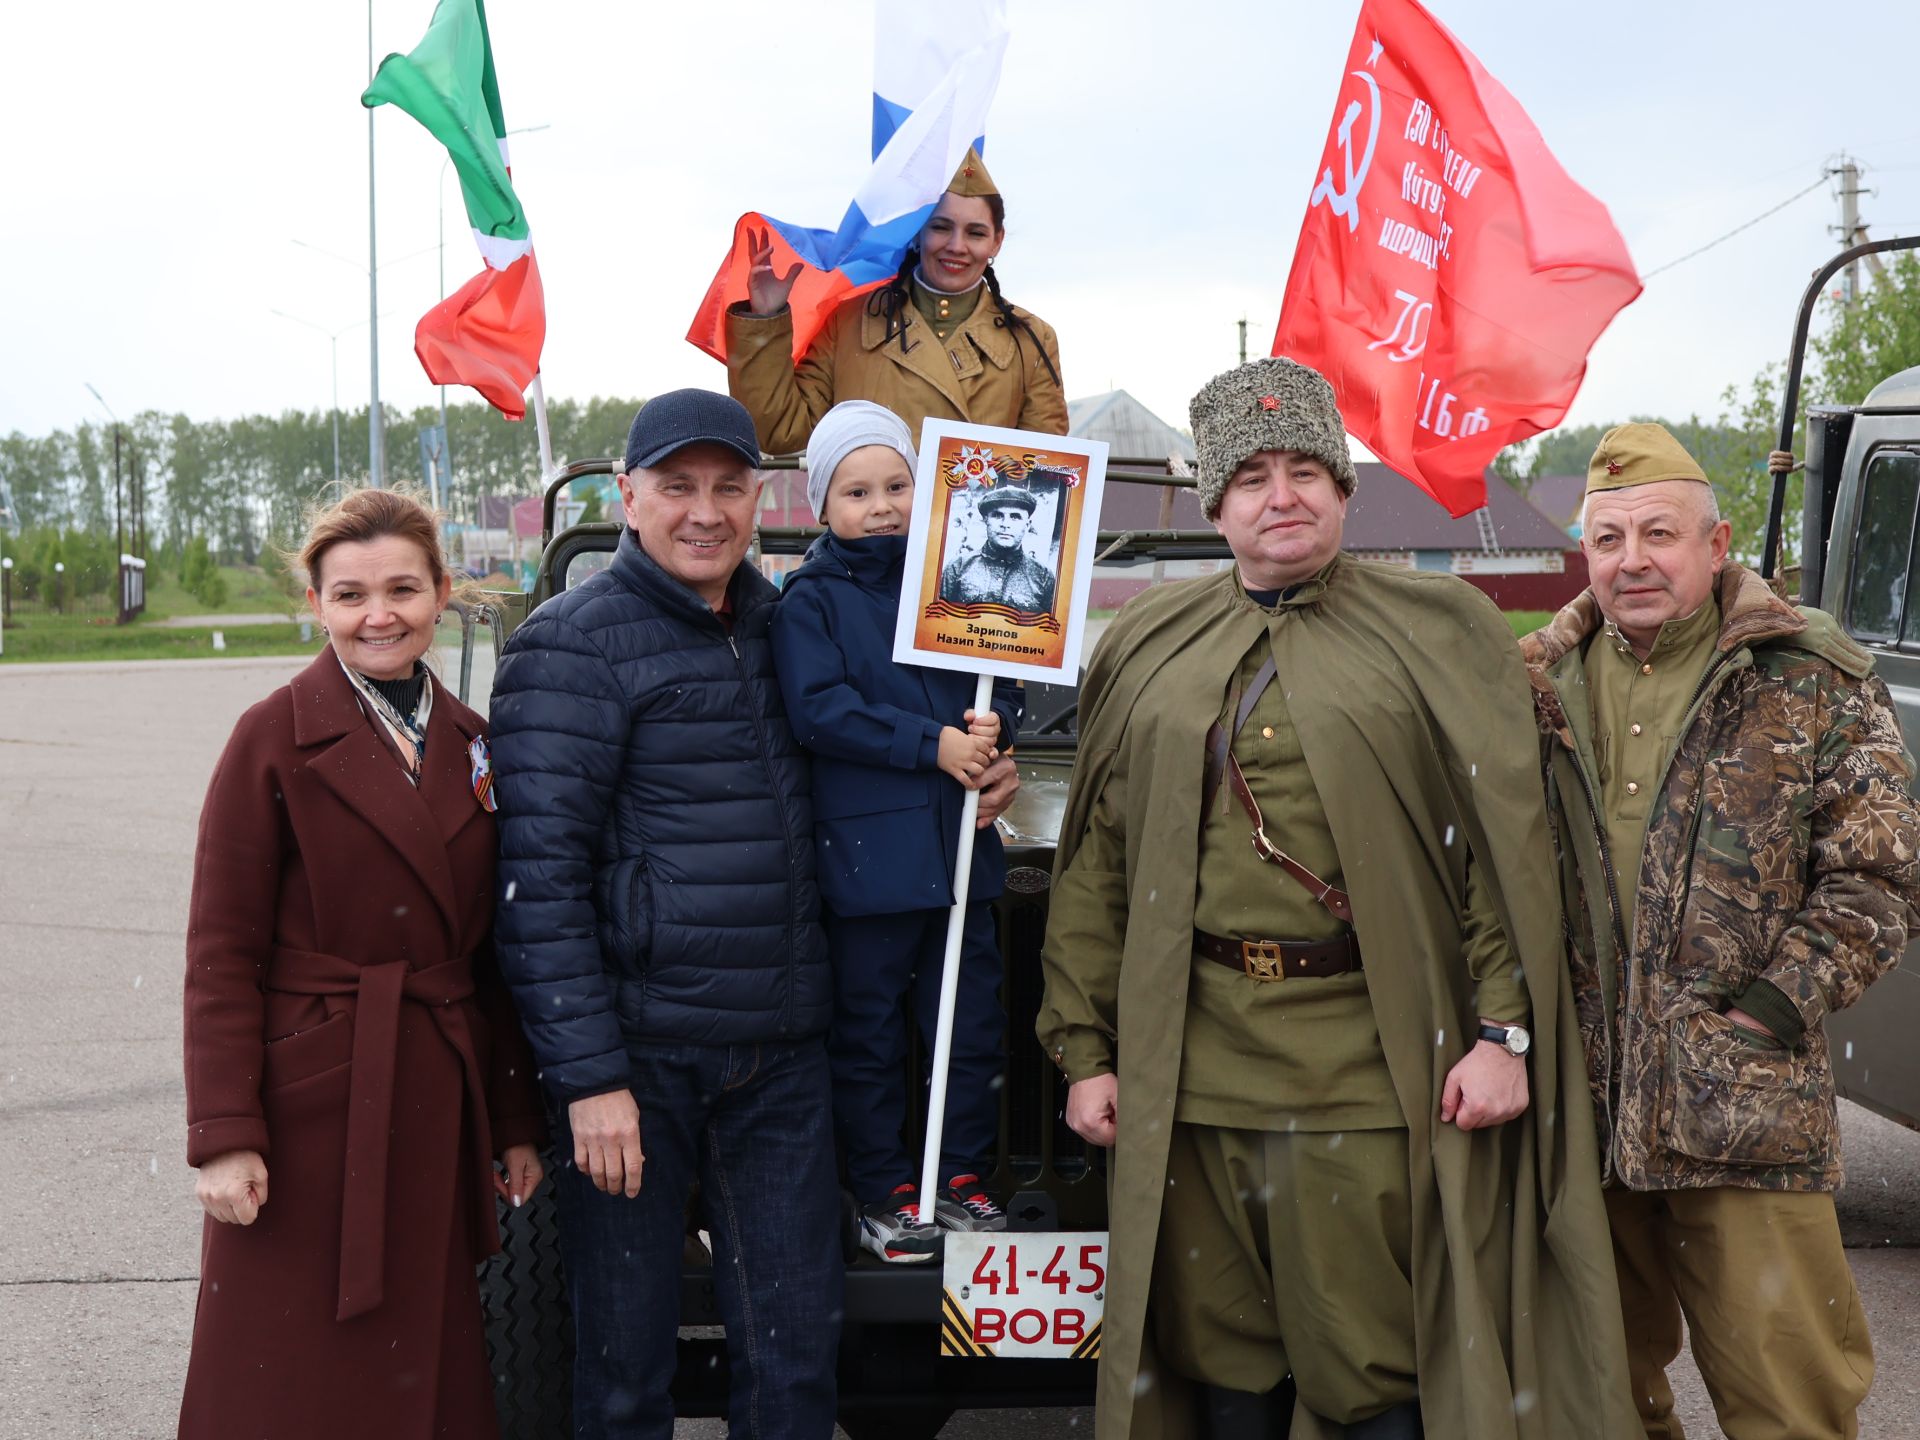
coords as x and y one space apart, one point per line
1747 225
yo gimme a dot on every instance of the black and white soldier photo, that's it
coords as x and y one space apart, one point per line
1015 562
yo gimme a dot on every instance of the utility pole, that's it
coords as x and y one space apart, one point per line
1243 339
376 441
119 548
1850 229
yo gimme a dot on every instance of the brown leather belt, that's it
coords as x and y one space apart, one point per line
1282 959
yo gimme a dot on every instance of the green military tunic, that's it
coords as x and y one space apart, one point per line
944 313
1639 705
1300 1054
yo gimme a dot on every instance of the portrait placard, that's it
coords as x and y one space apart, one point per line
1000 552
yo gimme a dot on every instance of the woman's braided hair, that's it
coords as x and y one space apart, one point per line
893 300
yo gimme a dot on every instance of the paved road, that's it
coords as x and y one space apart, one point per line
217 622
101 771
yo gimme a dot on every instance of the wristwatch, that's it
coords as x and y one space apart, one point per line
1514 1039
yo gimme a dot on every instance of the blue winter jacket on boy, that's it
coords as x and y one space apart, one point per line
886 817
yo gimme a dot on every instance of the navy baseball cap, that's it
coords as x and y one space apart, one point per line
680 418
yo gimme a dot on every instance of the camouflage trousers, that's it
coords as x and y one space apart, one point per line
1769 1303
1289 1253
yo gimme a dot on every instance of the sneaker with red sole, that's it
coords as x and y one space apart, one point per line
892 1229
964 1204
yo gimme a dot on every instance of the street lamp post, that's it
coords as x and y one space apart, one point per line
373 411
118 546
333 345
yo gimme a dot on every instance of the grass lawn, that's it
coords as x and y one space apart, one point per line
250 591
73 637
1525 622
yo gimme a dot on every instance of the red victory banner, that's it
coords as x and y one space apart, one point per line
1450 277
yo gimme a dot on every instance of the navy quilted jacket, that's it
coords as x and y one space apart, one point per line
656 852
886 820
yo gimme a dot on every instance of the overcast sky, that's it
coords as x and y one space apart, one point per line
1156 159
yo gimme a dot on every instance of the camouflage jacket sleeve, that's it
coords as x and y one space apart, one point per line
1863 873
1086 931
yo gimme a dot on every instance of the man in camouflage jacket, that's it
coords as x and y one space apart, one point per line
1728 788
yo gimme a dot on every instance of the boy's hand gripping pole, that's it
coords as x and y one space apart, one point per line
950 981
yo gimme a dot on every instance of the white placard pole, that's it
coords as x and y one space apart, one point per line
950 978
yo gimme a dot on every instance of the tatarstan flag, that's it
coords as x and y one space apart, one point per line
487 334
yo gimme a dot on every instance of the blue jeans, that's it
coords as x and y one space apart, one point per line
751 1122
883 964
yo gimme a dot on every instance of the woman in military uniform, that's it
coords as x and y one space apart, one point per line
939 339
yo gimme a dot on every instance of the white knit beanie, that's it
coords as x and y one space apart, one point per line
843 430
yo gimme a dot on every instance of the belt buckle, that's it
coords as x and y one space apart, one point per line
1263 959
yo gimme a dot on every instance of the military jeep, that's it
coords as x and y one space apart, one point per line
895 1382
1860 562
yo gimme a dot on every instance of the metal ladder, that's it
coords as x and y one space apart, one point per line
1489 541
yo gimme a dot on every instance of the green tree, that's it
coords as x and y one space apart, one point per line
93 462
200 576
233 483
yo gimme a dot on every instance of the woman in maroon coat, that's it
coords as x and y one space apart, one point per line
353 1062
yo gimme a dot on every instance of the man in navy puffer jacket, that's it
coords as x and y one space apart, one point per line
659 926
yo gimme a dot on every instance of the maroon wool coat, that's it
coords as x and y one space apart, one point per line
344 1018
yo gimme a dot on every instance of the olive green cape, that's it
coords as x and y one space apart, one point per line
1412 706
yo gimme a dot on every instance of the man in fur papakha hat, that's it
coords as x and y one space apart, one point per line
1304 856
1740 857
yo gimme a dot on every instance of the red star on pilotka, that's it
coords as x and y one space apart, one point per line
1614 467
1269 402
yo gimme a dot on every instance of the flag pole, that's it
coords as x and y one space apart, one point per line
540 427
950 980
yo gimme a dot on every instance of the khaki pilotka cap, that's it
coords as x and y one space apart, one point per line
1640 454
1270 404
972 179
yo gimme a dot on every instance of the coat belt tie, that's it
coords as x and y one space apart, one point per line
378 992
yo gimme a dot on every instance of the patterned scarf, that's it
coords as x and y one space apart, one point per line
408 732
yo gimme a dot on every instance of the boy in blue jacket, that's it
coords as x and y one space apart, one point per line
894 748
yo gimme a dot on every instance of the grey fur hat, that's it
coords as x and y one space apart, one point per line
1270 404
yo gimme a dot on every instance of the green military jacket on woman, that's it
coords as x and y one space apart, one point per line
1778 872
1411 708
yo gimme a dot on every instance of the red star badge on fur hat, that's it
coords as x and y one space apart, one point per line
1269 402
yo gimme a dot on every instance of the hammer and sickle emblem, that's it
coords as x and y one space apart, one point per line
1346 203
